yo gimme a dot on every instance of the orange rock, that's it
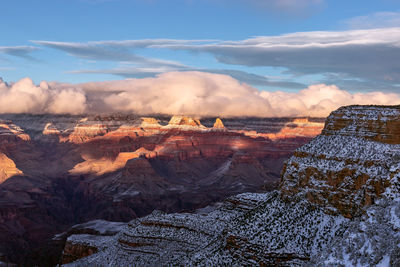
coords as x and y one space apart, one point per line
218 124
184 121
7 168
149 122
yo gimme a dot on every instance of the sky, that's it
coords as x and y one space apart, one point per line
281 51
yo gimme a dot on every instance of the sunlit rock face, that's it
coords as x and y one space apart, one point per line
184 121
7 168
12 131
338 204
218 124
64 170
50 129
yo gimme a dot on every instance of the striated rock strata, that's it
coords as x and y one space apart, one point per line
66 170
351 164
338 204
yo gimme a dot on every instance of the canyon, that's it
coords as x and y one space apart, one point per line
61 175
337 204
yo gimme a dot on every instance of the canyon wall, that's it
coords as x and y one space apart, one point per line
338 204
64 170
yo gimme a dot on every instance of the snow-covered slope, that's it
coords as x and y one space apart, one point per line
247 229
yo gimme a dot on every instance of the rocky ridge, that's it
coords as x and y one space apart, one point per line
338 204
351 164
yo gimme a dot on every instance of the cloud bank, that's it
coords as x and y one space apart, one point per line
186 93
25 97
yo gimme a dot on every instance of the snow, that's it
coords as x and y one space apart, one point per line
385 262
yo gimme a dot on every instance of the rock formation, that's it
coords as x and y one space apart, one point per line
50 129
7 168
148 122
119 167
183 122
218 124
351 164
338 204
9 129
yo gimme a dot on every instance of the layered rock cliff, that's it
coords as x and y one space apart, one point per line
66 170
338 204
351 164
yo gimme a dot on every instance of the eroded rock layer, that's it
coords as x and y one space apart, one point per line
338 204
65 170
351 164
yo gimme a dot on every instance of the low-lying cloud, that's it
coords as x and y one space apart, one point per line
26 97
186 93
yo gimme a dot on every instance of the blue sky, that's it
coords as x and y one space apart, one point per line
66 41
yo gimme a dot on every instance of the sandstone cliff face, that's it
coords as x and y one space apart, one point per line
338 205
65 170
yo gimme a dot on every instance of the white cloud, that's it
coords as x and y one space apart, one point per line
207 94
186 93
25 97
320 99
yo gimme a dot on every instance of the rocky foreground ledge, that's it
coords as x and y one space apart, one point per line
338 205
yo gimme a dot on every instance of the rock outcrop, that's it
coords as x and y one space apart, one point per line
50 129
148 122
338 204
218 124
376 123
184 121
351 164
8 168
10 130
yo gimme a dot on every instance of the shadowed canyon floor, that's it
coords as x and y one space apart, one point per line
57 171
